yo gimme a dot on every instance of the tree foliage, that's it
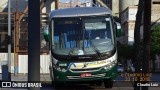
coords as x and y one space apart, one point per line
155 40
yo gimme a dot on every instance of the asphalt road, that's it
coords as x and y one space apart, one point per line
119 84
81 87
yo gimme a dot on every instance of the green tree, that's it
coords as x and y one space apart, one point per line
155 43
155 40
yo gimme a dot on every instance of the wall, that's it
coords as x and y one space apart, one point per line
123 4
128 17
155 12
129 14
23 63
3 57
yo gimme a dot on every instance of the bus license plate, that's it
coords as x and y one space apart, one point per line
86 75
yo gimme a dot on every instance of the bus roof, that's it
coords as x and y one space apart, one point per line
79 11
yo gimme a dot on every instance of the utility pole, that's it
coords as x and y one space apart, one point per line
34 42
56 4
146 39
16 43
9 40
137 44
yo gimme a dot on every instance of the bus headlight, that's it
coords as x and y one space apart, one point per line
110 65
64 70
60 69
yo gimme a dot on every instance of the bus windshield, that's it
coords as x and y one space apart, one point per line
82 36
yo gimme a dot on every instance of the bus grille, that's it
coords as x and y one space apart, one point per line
86 70
93 76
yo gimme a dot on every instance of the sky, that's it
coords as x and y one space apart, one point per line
72 0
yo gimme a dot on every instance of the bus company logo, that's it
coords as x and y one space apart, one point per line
95 63
71 64
84 65
6 84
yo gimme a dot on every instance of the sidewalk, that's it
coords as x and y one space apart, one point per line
24 77
44 78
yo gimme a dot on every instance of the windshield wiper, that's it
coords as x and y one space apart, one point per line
69 53
94 47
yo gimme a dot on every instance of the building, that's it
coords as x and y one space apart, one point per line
156 12
19 31
76 3
69 4
128 17
88 4
123 4
117 6
112 4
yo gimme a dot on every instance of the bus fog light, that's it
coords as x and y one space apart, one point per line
64 70
59 69
105 67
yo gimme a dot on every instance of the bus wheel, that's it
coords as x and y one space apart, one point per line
98 83
108 83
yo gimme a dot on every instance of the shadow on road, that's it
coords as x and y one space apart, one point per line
67 87
74 87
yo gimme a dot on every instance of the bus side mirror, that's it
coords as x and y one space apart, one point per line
46 33
118 29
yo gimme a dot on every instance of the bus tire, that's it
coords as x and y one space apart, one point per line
98 83
108 83
51 73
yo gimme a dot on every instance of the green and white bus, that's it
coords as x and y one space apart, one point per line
83 45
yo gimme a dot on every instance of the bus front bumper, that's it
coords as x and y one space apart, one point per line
92 76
